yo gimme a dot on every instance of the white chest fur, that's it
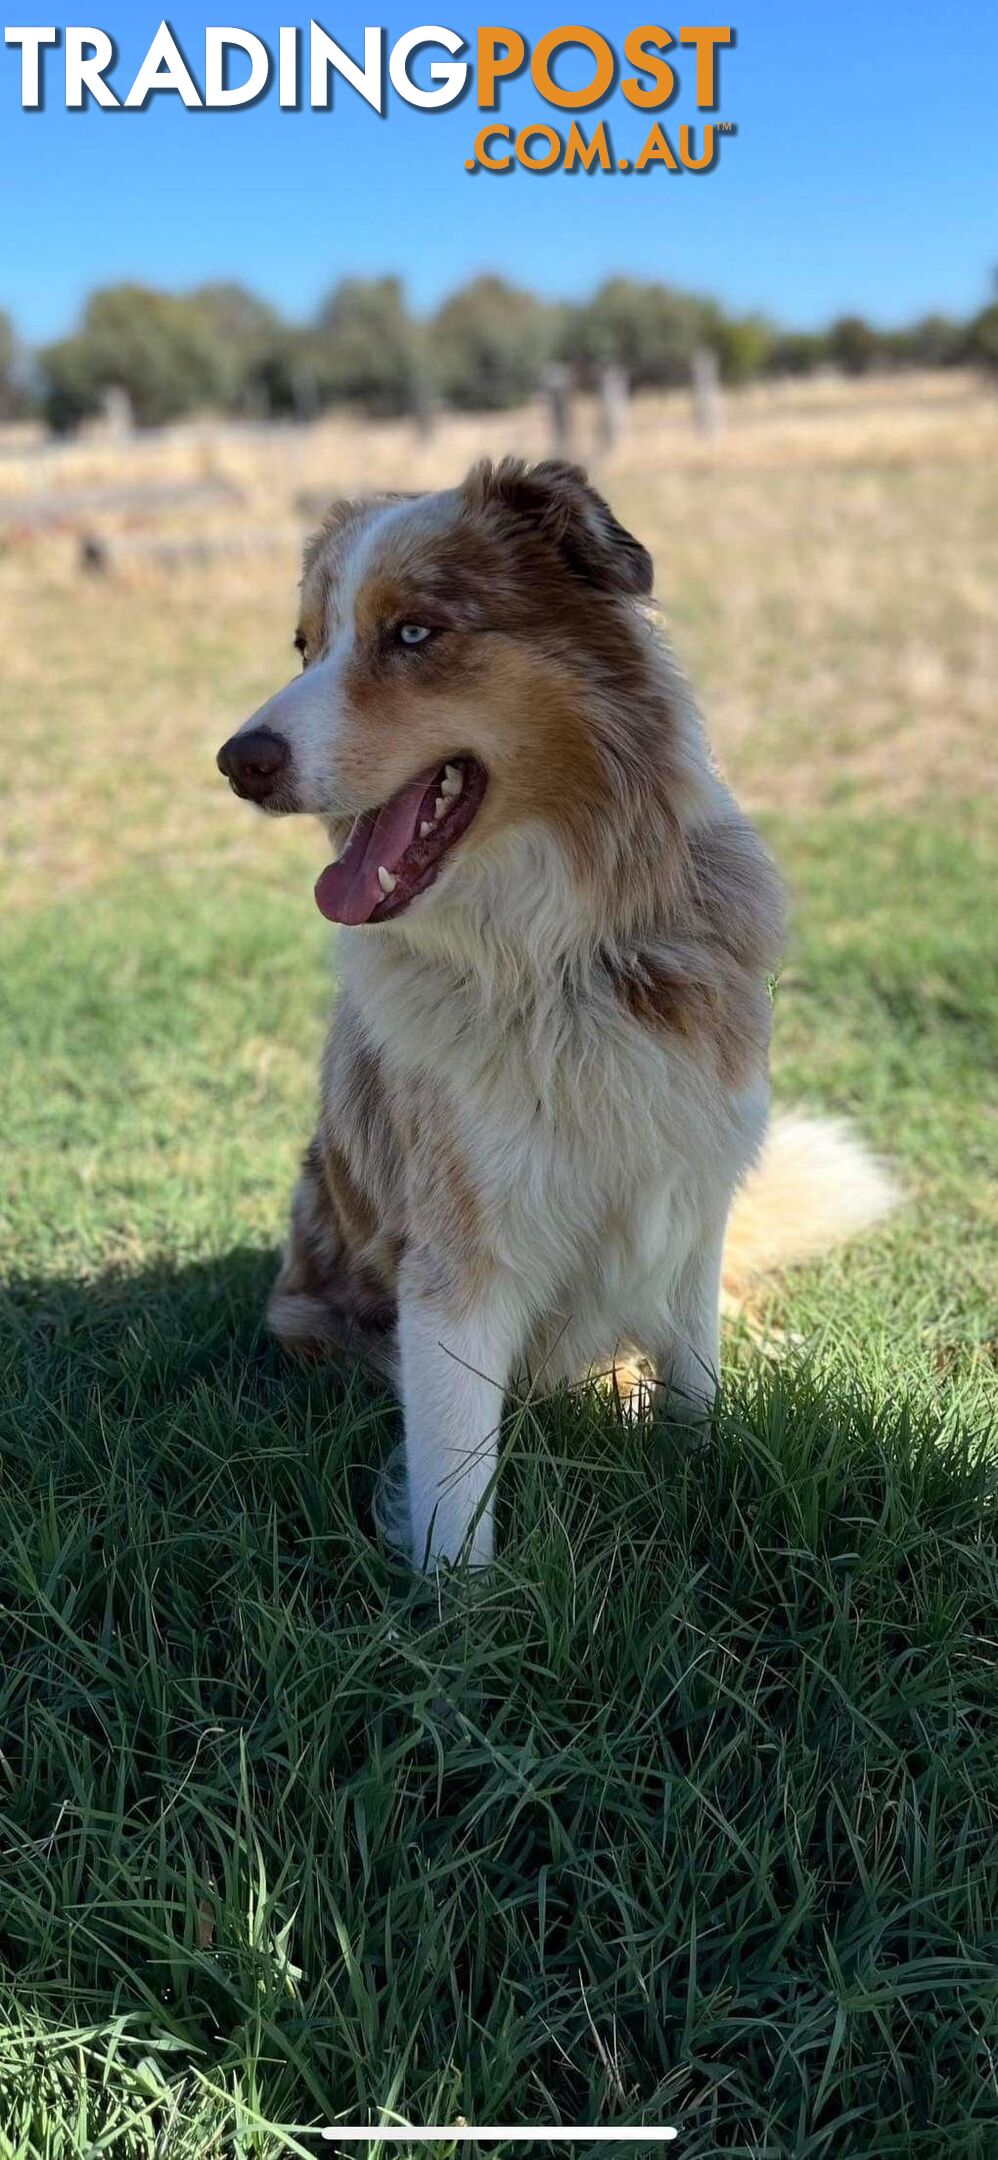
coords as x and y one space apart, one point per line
599 1150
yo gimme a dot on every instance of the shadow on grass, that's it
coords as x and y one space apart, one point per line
199 1313
165 1355
683 1813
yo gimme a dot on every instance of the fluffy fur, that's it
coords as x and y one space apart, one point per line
546 1076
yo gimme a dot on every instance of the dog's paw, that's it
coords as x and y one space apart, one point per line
390 1506
631 1384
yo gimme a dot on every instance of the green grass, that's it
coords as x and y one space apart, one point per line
686 1811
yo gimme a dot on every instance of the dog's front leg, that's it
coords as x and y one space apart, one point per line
456 1358
685 1348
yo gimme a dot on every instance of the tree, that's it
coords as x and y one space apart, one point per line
243 333
650 330
853 345
8 356
284 375
365 348
490 343
220 347
743 344
156 346
798 352
933 341
982 338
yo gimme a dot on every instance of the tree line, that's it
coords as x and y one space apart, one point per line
487 347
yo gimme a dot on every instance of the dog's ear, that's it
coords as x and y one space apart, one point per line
557 503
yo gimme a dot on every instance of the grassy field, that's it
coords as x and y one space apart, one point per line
685 1813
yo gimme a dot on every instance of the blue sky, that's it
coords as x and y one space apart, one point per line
864 173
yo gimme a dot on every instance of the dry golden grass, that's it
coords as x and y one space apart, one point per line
828 565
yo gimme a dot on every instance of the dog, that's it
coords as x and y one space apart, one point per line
546 1081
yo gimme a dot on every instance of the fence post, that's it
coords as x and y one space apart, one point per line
614 390
556 384
706 390
425 410
117 421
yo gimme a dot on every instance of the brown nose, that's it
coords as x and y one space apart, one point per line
253 763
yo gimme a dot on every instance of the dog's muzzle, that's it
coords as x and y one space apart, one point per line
254 763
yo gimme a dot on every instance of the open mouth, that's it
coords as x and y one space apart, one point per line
395 851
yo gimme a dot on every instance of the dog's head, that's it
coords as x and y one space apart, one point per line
467 657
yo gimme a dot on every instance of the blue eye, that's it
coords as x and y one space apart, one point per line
411 633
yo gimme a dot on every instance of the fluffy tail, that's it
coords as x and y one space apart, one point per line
814 1186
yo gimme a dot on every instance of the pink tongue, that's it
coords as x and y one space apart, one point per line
350 890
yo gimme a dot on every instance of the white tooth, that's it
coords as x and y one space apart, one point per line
452 788
426 827
439 807
454 774
385 879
